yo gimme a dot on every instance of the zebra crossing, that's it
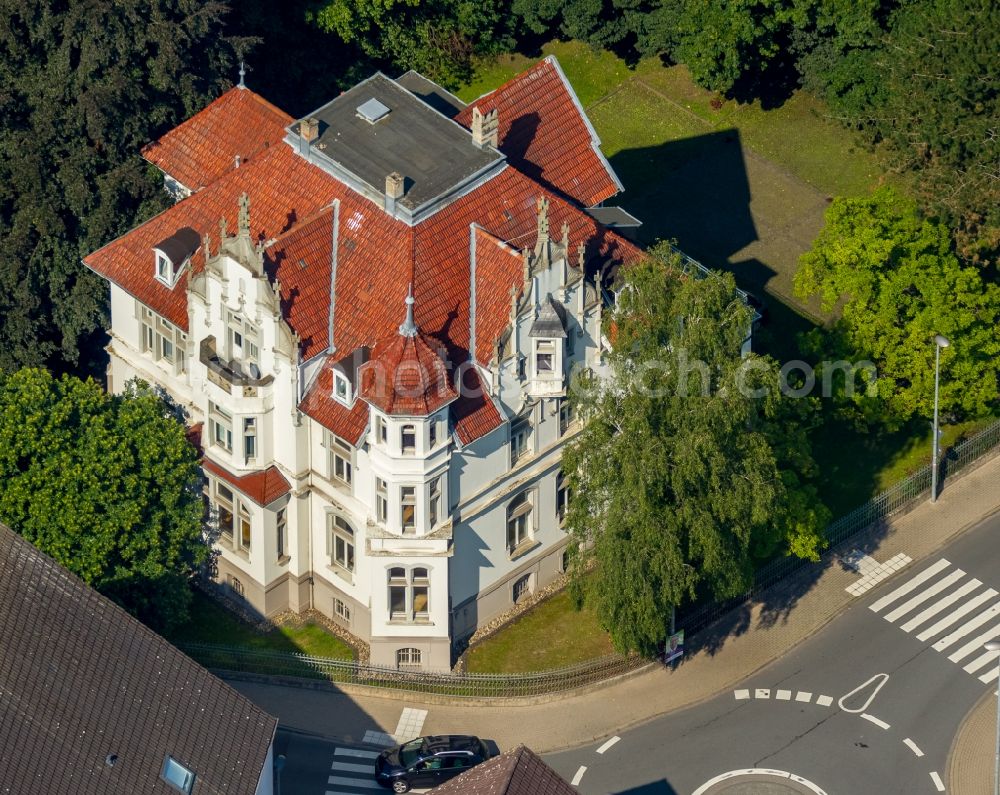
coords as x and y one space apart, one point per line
353 773
957 611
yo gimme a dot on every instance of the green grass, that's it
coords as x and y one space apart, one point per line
210 622
553 634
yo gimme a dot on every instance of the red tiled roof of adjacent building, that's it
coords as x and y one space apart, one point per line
546 134
263 487
515 772
406 376
198 151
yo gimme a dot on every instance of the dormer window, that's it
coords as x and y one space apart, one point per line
341 388
545 354
171 255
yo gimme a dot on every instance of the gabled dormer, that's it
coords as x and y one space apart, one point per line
345 376
546 370
172 255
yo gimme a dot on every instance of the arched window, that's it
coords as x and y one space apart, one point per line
408 657
340 542
236 587
518 521
408 437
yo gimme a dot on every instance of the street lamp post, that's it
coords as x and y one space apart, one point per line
940 342
994 645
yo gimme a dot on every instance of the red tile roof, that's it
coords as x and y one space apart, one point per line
407 376
282 187
377 258
546 134
348 423
263 487
498 269
474 413
203 148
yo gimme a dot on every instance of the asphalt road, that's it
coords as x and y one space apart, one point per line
890 736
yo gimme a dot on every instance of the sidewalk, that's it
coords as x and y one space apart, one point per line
971 759
576 720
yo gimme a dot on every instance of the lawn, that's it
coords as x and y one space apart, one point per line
210 622
553 634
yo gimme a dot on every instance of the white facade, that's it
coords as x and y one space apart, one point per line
410 539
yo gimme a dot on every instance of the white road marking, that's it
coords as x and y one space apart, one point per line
913 747
361 783
803 696
709 785
608 744
579 776
347 767
992 675
882 679
976 644
762 692
951 618
355 752
910 585
741 694
824 701
981 661
940 605
924 595
937 781
783 695
967 627
872 719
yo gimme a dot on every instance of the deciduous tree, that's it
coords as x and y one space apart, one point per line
107 485
901 284
682 478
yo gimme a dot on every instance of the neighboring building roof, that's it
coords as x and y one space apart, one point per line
93 701
516 772
545 133
200 150
406 376
263 487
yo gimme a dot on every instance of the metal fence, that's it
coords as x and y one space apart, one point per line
473 685
896 498
445 683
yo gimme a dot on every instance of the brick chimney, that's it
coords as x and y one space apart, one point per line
308 132
393 191
485 129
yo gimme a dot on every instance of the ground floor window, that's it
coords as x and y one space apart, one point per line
408 657
341 609
522 587
237 587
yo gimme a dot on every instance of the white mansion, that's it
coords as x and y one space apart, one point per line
371 315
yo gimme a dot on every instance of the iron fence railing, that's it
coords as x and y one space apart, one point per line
695 618
446 683
897 497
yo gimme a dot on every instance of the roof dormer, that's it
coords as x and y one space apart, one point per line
172 255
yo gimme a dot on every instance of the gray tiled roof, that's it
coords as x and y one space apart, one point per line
551 320
80 680
516 772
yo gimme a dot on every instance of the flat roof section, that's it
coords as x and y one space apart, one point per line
432 153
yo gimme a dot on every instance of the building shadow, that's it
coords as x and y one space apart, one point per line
661 787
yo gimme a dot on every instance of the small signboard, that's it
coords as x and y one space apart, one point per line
675 647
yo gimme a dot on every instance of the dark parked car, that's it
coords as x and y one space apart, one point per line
428 761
